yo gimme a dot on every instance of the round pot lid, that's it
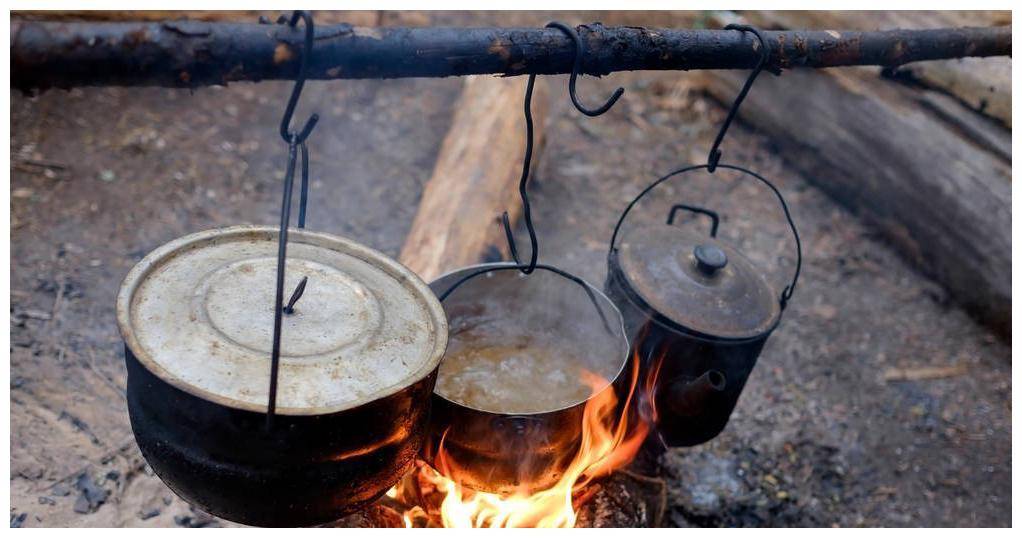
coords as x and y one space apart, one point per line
697 283
198 313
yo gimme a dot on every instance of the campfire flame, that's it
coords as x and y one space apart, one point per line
608 442
647 399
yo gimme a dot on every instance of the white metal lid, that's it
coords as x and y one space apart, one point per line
198 313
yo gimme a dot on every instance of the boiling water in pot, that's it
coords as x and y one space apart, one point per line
519 376
526 344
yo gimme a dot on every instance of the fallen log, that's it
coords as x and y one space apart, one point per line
924 373
983 85
475 178
942 200
196 53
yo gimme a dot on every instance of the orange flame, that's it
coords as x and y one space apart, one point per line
648 398
608 442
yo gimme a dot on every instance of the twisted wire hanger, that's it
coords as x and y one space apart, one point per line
529 137
295 141
764 54
523 193
532 265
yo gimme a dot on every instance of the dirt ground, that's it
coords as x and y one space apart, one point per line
824 433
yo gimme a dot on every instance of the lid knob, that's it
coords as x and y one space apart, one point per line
709 258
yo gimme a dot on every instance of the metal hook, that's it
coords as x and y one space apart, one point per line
576 68
764 55
296 91
295 140
526 210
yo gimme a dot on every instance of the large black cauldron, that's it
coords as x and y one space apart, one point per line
359 359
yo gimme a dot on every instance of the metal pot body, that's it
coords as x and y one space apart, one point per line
306 470
691 383
501 453
505 453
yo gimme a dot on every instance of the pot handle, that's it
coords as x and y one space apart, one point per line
790 288
695 209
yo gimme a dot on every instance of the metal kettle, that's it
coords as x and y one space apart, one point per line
697 313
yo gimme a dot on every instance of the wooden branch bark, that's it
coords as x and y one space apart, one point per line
475 178
941 198
195 53
982 84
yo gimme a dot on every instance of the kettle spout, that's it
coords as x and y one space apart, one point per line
691 398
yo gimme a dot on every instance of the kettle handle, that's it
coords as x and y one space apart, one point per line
696 209
790 288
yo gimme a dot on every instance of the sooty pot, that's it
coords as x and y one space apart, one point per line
359 357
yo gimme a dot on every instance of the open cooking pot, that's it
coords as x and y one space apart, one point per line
489 447
359 357
697 313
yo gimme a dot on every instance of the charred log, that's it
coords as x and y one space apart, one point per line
191 54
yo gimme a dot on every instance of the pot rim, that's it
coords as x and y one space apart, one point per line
626 353
137 275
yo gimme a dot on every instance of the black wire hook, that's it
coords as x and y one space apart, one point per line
526 210
296 91
764 55
278 306
295 144
576 68
304 200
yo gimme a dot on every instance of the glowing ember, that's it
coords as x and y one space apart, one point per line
608 442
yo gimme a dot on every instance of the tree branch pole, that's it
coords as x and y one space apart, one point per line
192 53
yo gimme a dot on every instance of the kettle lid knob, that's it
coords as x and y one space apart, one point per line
709 258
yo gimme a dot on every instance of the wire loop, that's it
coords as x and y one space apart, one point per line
295 146
523 193
764 54
278 305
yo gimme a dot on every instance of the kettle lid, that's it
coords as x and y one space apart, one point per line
696 283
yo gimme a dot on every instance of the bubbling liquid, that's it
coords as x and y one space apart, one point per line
519 377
